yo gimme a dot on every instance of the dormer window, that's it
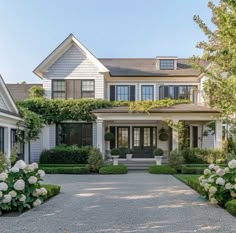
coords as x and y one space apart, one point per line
167 64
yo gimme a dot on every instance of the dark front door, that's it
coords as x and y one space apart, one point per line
195 136
144 140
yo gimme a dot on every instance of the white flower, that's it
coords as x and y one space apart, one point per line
1 194
210 180
35 165
43 191
37 202
22 198
220 181
227 170
207 172
3 176
216 167
36 193
211 166
228 186
220 172
234 186
232 164
32 180
29 168
213 201
212 190
19 185
20 164
13 193
3 186
206 187
7 198
233 194
41 173
15 169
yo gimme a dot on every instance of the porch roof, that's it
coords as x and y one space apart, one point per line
178 108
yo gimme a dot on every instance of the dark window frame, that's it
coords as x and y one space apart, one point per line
2 140
87 91
152 87
165 64
56 91
128 94
117 135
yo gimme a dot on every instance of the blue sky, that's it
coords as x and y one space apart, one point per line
31 29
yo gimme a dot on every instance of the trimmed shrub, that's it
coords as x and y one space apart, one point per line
161 169
109 136
95 160
65 155
158 152
52 189
176 159
192 170
66 170
115 151
62 165
231 207
110 169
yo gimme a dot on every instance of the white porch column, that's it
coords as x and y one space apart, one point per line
218 134
8 143
175 137
100 137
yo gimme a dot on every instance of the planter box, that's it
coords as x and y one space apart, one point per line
158 160
115 159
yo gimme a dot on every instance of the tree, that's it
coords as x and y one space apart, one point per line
36 92
220 52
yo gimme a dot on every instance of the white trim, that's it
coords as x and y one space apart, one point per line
10 116
148 84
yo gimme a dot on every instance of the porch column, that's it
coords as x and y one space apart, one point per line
8 143
100 137
218 134
175 137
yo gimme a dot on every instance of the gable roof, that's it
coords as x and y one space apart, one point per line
20 92
9 102
147 67
60 50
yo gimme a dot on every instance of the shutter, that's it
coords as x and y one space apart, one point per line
77 89
166 91
112 93
176 91
132 93
69 89
161 94
113 142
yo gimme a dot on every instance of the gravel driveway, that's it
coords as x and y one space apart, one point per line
136 202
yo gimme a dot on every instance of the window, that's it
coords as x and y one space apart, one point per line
167 64
147 92
58 89
1 140
74 134
123 137
87 89
122 93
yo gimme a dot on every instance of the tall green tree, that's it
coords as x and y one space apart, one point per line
218 60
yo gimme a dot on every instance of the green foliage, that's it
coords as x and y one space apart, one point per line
65 155
115 151
192 170
158 152
52 189
176 159
66 170
108 136
13 156
60 165
161 169
3 162
118 169
95 160
36 92
231 207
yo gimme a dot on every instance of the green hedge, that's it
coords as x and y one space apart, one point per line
52 189
65 155
66 170
117 169
231 207
161 169
61 165
192 170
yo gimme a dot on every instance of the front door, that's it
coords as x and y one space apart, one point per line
144 141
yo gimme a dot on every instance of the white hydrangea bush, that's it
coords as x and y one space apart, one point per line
219 183
20 187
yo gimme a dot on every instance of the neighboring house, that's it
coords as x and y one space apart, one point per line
9 117
71 71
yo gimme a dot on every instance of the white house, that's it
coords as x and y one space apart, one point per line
9 117
71 71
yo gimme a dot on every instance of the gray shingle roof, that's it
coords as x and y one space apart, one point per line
20 92
146 67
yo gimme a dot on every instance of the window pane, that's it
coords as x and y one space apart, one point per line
136 139
146 137
59 95
86 134
147 92
154 137
171 92
167 64
59 85
122 93
123 137
87 85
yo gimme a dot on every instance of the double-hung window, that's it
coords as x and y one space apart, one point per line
87 90
58 89
122 93
147 92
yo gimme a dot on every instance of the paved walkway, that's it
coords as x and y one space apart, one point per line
137 202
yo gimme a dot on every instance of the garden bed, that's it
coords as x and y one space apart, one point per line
161 169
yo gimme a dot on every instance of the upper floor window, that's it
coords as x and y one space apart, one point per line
87 90
147 92
122 92
167 64
58 89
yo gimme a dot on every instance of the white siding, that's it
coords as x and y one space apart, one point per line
36 149
74 64
52 136
47 85
208 141
2 103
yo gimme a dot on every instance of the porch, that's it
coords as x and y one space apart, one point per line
143 132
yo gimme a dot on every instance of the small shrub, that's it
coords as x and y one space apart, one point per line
192 170
231 207
52 189
65 155
108 136
176 159
95 160
115 151
110 169
158 152
3 162
36 92
66 170
161 169
62 165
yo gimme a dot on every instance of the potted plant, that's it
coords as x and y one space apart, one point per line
108 136
115 154
129 154
158 154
